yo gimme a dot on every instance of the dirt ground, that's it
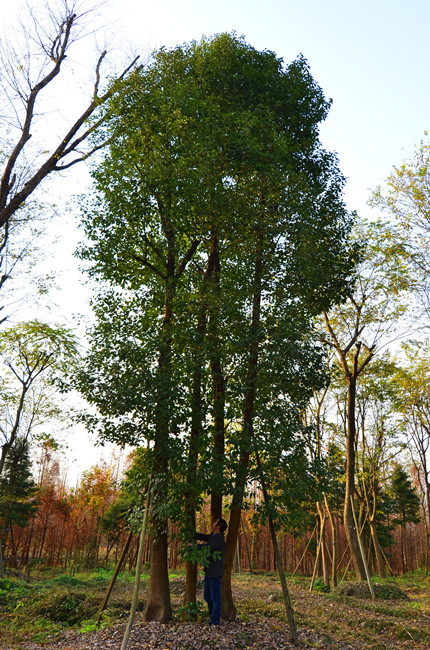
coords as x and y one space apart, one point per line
348 620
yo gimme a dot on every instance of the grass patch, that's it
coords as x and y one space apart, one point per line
51 603
388 591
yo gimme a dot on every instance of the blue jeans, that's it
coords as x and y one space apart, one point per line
212 595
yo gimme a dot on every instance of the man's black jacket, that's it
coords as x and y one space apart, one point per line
216 543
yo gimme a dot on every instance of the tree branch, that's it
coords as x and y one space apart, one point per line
69 144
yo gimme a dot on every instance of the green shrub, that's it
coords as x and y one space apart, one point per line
320 585
68 608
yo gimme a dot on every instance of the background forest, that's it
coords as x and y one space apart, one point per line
256 350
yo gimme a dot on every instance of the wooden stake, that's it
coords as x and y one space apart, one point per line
363 552
138 572
280 566
304 552
114 577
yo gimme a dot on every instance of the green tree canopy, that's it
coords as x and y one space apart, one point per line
35 358
218 231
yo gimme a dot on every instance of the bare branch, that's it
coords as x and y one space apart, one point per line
15 189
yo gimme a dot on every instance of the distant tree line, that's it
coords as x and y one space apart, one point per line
51 525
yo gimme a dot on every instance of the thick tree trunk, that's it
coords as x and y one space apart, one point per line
190 594
212 267
350 531
158 607
228 608
218 447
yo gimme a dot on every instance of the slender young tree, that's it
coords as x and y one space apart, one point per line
405 196
377 447
34 356
358 328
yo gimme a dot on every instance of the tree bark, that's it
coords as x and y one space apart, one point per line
158 605
218 382
350 531
228 608
190 595
325 568
380 562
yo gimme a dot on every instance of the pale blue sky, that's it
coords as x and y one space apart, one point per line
371 57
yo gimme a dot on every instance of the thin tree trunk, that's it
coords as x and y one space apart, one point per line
236 563
280 567
351 376
228 608
248 554
350 529
218 383
114 577
334 544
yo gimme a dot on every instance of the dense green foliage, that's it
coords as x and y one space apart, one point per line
214 143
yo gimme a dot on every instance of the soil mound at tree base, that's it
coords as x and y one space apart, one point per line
361 590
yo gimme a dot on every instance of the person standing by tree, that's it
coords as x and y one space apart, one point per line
214 568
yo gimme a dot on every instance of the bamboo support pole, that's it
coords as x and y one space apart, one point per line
280 566
138 572
319 551
363 552
114 577
304 552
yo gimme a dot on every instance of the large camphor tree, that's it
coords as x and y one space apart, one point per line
218 231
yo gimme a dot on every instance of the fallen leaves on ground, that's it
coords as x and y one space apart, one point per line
347 621
259 634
